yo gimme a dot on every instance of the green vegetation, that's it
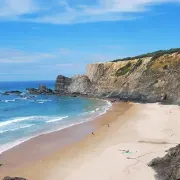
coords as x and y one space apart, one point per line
154 55
123 70
139 63
135 66
1 165
165 67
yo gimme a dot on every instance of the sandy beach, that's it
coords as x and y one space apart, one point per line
136 134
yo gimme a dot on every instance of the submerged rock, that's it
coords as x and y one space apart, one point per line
12 92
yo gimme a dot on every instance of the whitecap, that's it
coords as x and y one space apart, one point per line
5 123
21 127
41 102
44 100
6 101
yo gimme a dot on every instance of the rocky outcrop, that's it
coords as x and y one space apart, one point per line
12 93
80 85
95 71
62 84
147 79
168 167
14 178
41 90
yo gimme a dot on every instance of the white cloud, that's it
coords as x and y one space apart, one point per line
60 11
18 64
59 58
15 8
17 56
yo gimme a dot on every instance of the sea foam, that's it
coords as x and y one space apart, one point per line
57 119
5 123
21 127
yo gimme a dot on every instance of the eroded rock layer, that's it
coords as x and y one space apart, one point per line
149 79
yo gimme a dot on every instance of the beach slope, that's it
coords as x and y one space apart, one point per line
120 150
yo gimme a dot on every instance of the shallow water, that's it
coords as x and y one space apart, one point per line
22 118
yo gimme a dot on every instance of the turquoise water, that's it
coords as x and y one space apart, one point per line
22 118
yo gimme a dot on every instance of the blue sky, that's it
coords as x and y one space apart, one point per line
40 39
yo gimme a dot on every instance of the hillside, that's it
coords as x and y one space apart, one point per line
154 54
142 78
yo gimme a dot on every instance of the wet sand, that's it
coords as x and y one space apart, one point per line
136 134
30 153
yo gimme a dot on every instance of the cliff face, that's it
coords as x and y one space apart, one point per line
147 79
62 84
80 85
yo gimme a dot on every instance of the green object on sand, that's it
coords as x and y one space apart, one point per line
1 165
128 152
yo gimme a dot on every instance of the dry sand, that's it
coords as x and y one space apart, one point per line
137 134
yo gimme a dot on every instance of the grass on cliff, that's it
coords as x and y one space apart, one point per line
154 55
135 66
125 69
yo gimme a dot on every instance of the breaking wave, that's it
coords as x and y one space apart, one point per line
58 119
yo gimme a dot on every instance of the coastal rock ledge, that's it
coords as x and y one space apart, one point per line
154 77
168 167
41 90
14 178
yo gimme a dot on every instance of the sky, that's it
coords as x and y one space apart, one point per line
40 39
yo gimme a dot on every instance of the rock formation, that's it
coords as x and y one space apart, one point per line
147 79
168 167
80 85
14 178
12 93
41 90
62 84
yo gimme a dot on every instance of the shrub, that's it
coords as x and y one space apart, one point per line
165 67
125 69
154 55
139 63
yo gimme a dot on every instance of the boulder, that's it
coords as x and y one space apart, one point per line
13 178
168 167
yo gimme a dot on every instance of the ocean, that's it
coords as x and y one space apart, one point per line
28 116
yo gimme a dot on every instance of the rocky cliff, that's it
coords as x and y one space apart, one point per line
148 79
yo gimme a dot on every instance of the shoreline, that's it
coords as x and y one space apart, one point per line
136 134
106 108
8 157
